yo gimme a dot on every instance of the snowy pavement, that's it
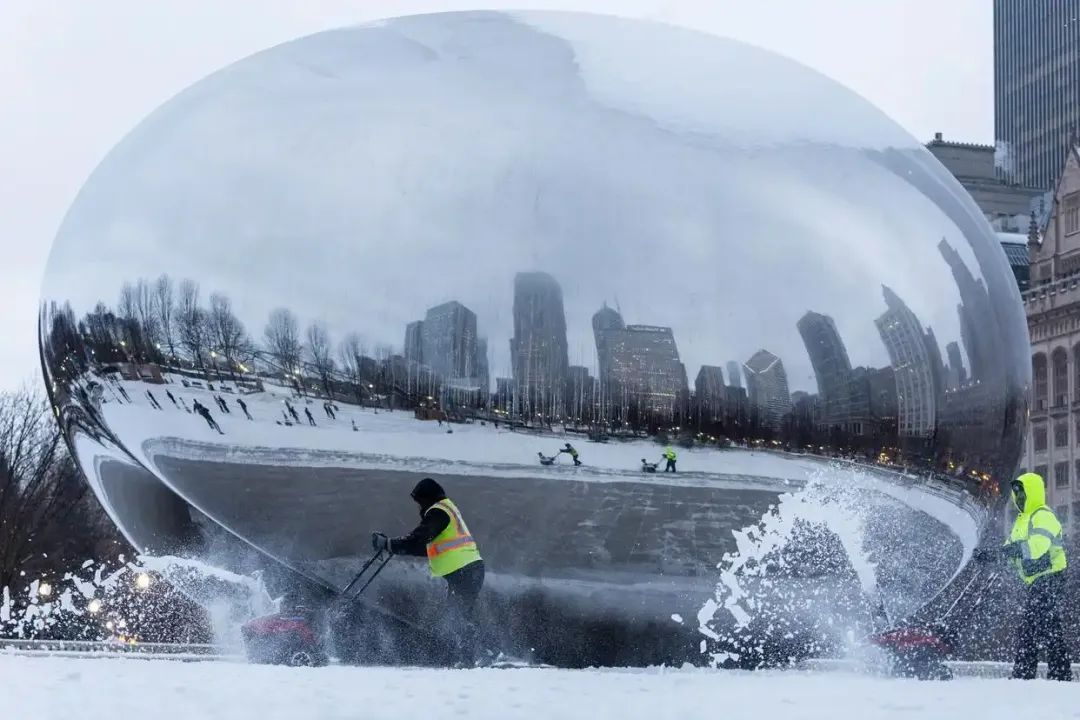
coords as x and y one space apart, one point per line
48 688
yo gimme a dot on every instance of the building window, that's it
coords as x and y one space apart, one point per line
1070 213
1061 475
1060 361
1039 434
1062 512
1076 373
1038 370
1040 470
1061 434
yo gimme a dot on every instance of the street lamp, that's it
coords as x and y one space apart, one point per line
94 607
45 589
142 581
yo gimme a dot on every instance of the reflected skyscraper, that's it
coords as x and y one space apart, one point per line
448 341
644 372
957 373
915 388
538 349
709 392
974 304
734 374
844 395
582 393
767 388
414 333
483 371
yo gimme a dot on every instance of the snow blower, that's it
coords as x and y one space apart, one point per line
295 636
920 650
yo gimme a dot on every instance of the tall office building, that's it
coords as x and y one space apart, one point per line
483 371
844 399
414 334
767 388
905 342
734 374
1036 87
538 350
643 369
709 393
448 341
958 376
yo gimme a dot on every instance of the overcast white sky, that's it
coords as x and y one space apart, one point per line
75 76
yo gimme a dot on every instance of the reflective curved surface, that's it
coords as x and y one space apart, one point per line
448 245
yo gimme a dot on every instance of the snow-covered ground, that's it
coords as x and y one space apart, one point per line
398 438
387 440
55 688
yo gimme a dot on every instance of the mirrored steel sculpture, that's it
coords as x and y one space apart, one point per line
448 245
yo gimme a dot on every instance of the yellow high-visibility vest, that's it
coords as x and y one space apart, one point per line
454 547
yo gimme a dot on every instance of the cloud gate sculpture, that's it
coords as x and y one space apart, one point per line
447 245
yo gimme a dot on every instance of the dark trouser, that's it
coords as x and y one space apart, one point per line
1041 625
463 588
670 467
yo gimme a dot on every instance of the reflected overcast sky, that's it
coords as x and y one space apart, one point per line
361 176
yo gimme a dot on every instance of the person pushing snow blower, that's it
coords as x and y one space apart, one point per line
452 554
1035 550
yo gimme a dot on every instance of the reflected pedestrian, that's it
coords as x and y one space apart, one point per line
205 412
310 417
153 400
243 406
171 398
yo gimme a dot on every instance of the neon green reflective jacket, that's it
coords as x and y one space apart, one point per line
1037 531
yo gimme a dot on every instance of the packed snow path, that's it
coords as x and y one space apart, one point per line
49 688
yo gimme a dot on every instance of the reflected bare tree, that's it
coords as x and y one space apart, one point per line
191 323
351 352
320 355
146 315
282 339
227 334
165 308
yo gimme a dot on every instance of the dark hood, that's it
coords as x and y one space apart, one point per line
427 492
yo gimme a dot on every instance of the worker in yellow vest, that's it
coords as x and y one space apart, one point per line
1036 551
444 538
669 455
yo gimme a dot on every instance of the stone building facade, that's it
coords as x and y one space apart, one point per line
1053 311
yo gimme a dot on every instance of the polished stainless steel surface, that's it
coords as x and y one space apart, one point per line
445 244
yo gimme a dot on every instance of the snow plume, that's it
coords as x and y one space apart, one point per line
800 582
230 598
134 600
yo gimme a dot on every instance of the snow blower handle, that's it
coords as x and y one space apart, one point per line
381 556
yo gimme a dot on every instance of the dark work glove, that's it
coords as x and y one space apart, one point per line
986 554
1012 551
380 542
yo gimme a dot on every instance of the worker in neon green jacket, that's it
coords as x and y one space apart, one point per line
443 537
1035 550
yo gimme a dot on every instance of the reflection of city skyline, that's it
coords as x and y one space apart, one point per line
639 376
